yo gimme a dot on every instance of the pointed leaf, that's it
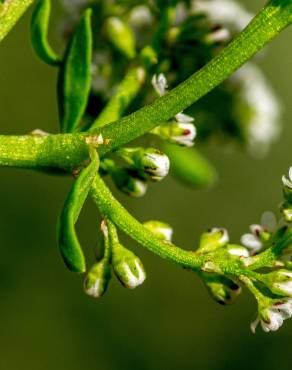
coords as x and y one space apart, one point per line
75 76
39 33
68 241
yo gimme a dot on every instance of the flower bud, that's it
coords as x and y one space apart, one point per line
151 161
212 240
222 290
177 132
159 83
127 267
161 229
121 36
97 279
129 182
279 282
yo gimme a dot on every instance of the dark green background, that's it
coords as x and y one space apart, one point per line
46 322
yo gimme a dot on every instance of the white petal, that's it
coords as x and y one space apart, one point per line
269 220
252 242
184 118
286 182
290 173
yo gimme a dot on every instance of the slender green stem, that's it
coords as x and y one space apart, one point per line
10 12
114 211
273 18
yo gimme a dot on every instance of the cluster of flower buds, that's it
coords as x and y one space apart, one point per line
127 267
276 306
287 193
151 161
222 289
181 129
272 314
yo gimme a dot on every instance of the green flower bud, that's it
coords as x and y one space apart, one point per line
127 267
151 161
129 182
121 36
97 279
222 290
161 229
279 282
212 240
181 132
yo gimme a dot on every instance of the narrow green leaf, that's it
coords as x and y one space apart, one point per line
189 166
75 76
67 239
39 33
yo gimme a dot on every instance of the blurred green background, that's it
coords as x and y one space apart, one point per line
46 322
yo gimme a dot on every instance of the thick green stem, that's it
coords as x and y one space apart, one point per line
10 12
273 18
63 151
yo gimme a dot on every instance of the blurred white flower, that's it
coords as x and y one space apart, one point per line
257 107
159 83
288 181
225 12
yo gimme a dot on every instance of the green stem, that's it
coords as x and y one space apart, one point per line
273 18
114 211
62 151
10 12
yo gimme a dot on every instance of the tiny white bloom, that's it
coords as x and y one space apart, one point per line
140 16
188 135
159 83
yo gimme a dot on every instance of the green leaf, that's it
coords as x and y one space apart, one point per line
67 239
189 166
75 76
39 33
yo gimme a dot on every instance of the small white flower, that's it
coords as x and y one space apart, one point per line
272 318
159 164
288 181
251 240
159 83
187 136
